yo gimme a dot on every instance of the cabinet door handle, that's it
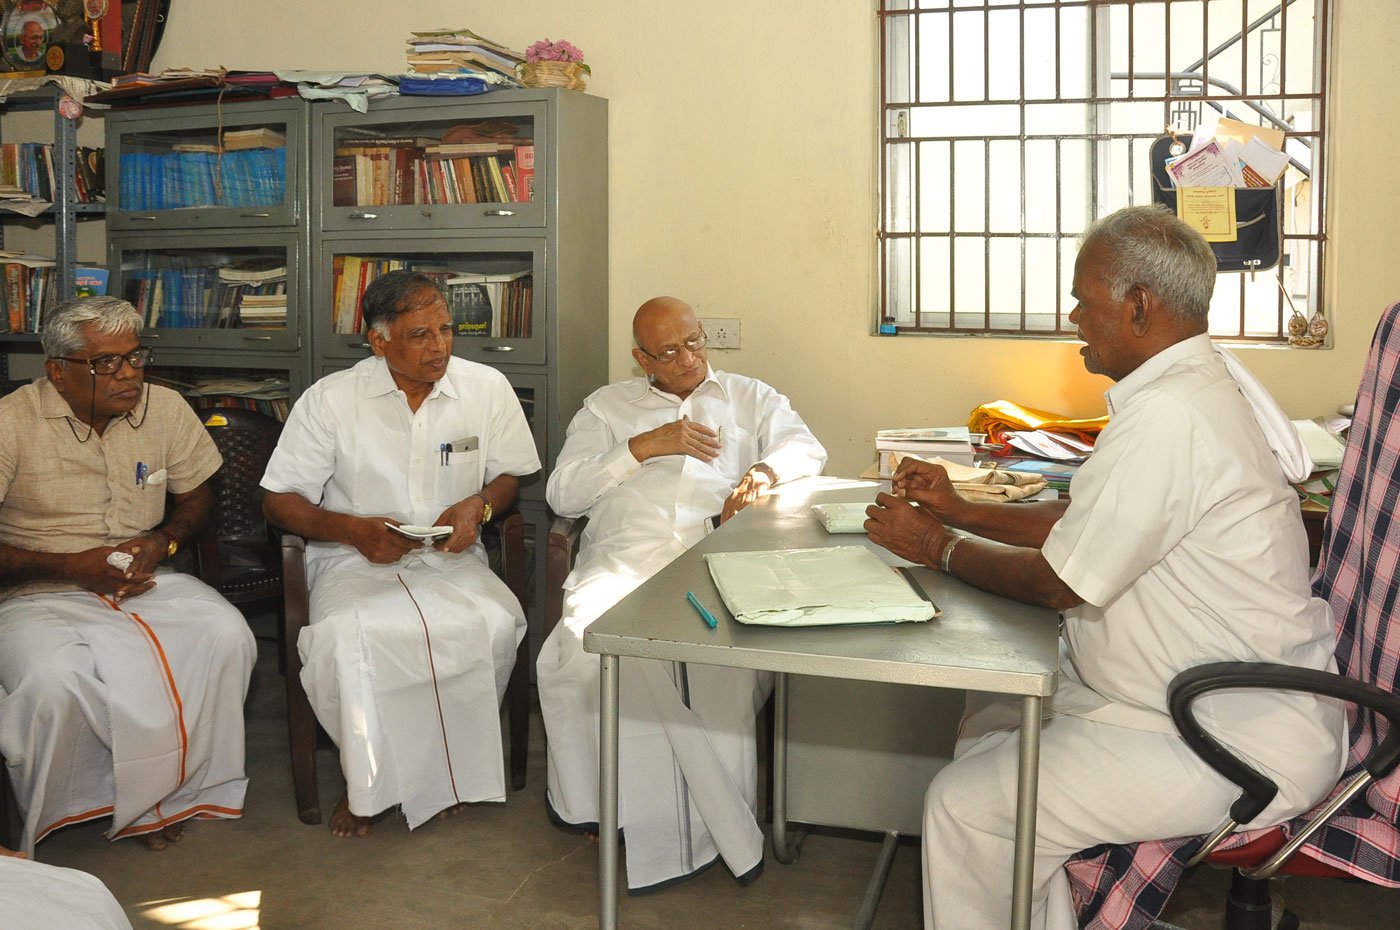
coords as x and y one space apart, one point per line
255 216
257 338
148 218
360 215
360 345
500 213
499 348
150 335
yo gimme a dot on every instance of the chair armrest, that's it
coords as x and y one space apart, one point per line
1259 790
295 594
509 525
564 534
206 557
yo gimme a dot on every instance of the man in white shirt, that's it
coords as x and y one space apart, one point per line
410 644
652 462
1182 544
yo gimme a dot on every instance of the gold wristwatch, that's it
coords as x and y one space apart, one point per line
486 509
173 548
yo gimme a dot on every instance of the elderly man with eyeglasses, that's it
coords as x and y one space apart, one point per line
121 689
655 463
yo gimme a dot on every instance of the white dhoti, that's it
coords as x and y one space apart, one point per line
687 784
405 666
1099 783
133 710
34 896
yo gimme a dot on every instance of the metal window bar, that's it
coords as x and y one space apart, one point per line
1186 91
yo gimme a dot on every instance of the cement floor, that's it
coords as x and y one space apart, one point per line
505 866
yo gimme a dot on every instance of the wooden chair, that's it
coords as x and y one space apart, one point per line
305 734
564 534
240 557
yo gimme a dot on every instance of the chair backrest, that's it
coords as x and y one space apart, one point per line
1359 570
246 440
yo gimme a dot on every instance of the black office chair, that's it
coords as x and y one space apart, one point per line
307 736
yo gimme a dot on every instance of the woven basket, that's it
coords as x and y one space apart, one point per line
566 74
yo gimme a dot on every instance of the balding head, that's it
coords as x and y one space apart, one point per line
662 324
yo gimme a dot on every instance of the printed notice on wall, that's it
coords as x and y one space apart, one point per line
1211 210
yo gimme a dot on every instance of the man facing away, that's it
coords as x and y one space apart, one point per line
1182 544
121 690
651 461
410 645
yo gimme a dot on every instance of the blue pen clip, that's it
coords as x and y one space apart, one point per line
705 615
140 474
442 453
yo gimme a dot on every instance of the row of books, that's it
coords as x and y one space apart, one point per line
495 305
390 175
27 291
209 297
27 173
270 396
181 179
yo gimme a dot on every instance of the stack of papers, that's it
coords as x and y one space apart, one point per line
460 53
815 587
1233 154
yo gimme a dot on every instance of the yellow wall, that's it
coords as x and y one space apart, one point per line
742 179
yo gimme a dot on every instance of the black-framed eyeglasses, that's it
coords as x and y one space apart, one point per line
666 356
111 364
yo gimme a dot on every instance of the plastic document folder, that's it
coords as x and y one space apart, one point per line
815 587
841 518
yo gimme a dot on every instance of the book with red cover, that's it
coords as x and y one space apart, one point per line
343 180
525 172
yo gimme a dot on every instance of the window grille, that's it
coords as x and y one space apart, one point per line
1007 126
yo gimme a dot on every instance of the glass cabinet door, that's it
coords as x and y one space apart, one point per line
494 291
231 166
413 165
211 291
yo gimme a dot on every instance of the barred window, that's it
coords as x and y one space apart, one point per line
1007 126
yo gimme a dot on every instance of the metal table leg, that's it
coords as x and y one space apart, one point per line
1027 783
607 793
783 851
866 916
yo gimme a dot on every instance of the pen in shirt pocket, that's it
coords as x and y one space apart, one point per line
140 474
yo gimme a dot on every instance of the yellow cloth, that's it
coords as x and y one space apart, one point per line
982 484
996 418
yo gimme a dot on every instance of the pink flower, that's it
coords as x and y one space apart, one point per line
546 50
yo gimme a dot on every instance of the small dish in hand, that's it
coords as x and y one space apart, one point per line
425 533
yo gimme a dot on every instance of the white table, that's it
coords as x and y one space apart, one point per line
982 642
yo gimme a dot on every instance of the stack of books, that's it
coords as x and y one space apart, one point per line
953 443
462 53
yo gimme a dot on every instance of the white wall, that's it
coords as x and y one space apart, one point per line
742 179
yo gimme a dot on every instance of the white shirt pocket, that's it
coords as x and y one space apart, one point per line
460 477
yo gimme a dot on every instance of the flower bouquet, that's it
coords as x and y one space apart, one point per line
554 64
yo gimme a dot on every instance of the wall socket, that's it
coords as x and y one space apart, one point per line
721 332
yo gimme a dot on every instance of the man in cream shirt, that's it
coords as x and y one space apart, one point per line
653 462
409 646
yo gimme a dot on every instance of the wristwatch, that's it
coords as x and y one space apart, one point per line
485 509
172 548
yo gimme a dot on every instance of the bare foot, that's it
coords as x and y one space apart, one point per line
157 840
452 811
346 824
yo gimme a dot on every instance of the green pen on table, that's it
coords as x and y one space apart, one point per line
705 615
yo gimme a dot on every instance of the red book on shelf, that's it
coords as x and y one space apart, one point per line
525 172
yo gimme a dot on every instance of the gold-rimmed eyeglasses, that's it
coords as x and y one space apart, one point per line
666 356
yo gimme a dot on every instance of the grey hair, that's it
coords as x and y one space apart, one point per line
1149 246
65 326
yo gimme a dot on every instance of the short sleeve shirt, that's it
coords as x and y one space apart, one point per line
60 494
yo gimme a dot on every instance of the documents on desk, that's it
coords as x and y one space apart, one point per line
815 587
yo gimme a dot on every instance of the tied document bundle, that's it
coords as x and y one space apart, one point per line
815 587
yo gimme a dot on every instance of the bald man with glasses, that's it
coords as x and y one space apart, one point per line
121 688
655 463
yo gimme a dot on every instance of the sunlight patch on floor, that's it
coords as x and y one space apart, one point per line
237 911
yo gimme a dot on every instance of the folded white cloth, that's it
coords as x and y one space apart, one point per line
1279 432
814 587
842 518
